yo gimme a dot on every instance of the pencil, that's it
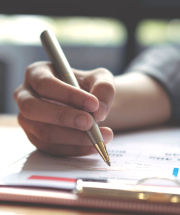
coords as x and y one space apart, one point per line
63 70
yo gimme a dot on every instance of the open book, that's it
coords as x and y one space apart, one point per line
144 173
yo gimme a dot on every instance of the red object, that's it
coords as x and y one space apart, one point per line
50 178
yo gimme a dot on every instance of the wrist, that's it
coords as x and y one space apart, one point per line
139 101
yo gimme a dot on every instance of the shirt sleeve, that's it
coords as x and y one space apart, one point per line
162 63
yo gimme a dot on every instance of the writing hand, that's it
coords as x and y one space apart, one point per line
55 115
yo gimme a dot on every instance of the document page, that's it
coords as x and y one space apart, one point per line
134 156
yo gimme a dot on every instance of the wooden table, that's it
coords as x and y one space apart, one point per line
25 209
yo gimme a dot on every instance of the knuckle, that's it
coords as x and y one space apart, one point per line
65 118
33 67
38 76
106 84
29 68
109 88
105 88
103 70
16 92
28 71
40 84
61 117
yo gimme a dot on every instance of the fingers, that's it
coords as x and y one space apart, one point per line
37 109
99 82
60 141
55 115
40 77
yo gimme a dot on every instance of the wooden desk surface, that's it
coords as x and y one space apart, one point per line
8 120
22 209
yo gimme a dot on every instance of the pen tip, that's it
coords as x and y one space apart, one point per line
108 163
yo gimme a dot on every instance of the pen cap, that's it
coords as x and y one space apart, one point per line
56 54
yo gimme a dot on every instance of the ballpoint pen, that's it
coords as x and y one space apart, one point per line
120 190
63 70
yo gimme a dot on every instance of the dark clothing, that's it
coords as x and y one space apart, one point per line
163 64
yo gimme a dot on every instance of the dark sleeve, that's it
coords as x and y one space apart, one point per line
163 64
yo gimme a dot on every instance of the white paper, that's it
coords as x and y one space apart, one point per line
134 156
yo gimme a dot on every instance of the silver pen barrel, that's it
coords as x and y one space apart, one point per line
64 72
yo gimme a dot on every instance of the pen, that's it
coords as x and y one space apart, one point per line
118 190
63 70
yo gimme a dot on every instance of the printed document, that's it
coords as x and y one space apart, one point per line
134 156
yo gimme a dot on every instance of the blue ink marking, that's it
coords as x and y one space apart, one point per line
175 172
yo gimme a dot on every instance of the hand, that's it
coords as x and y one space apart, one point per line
55 115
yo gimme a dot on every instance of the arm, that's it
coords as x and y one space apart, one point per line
148 92
139 101
55 117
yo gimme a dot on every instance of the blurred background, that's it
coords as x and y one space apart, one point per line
92 34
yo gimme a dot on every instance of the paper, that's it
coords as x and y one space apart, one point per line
13 146
134 156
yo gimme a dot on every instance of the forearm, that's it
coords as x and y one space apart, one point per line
139 101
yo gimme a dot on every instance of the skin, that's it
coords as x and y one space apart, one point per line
55 115
140 101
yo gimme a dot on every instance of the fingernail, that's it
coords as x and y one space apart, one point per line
90 105
82 122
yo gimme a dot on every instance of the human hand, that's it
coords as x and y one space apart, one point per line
55 115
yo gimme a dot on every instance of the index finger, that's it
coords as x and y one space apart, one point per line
40 77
